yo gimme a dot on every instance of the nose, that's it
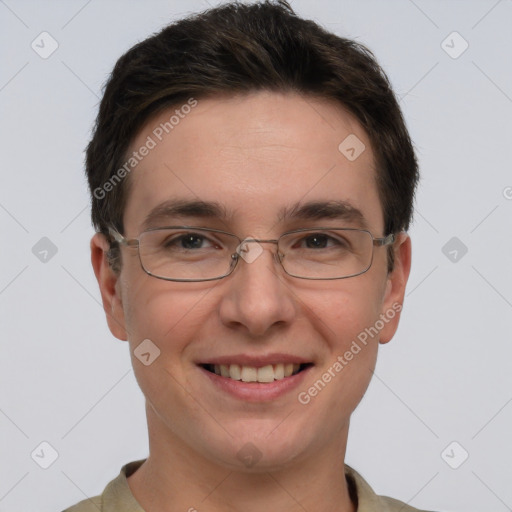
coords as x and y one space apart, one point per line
256 298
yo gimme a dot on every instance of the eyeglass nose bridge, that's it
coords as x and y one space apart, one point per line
249 255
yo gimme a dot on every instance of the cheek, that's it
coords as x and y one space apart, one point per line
159 314
171 315
170 320
342 313
344 320
353 343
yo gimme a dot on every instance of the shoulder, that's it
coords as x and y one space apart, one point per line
393 505
368 501
116 496
88 505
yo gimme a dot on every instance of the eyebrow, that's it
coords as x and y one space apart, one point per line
321 210
183 208
312 210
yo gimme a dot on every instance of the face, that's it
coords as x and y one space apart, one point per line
256 156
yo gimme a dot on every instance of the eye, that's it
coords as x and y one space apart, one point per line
317 241
188 241
322 241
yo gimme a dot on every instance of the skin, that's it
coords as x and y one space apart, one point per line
254 154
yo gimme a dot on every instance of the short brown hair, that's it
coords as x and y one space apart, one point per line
237 48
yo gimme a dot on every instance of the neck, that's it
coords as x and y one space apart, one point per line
176 478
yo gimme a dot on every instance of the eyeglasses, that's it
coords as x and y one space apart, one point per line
186 253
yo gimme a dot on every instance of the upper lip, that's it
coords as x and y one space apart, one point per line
255 360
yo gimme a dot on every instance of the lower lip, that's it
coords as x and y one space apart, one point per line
256 391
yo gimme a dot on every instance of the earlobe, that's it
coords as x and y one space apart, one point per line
395 287
108 282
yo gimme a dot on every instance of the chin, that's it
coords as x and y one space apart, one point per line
254 452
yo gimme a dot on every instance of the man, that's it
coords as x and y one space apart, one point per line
252 179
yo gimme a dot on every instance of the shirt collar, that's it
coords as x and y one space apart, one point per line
118 496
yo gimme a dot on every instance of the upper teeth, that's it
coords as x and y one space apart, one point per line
267 373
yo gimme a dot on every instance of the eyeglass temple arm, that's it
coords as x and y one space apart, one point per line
116 235
121 239
384 241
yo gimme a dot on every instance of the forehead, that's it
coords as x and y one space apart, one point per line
257 156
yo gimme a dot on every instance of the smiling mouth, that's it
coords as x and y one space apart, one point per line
262 374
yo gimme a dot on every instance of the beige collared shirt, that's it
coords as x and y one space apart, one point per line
117 496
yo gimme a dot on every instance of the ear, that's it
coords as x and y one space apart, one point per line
395 287
109 284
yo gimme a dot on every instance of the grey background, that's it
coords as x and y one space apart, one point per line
446 375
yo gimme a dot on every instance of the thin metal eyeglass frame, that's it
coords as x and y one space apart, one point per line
134 242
